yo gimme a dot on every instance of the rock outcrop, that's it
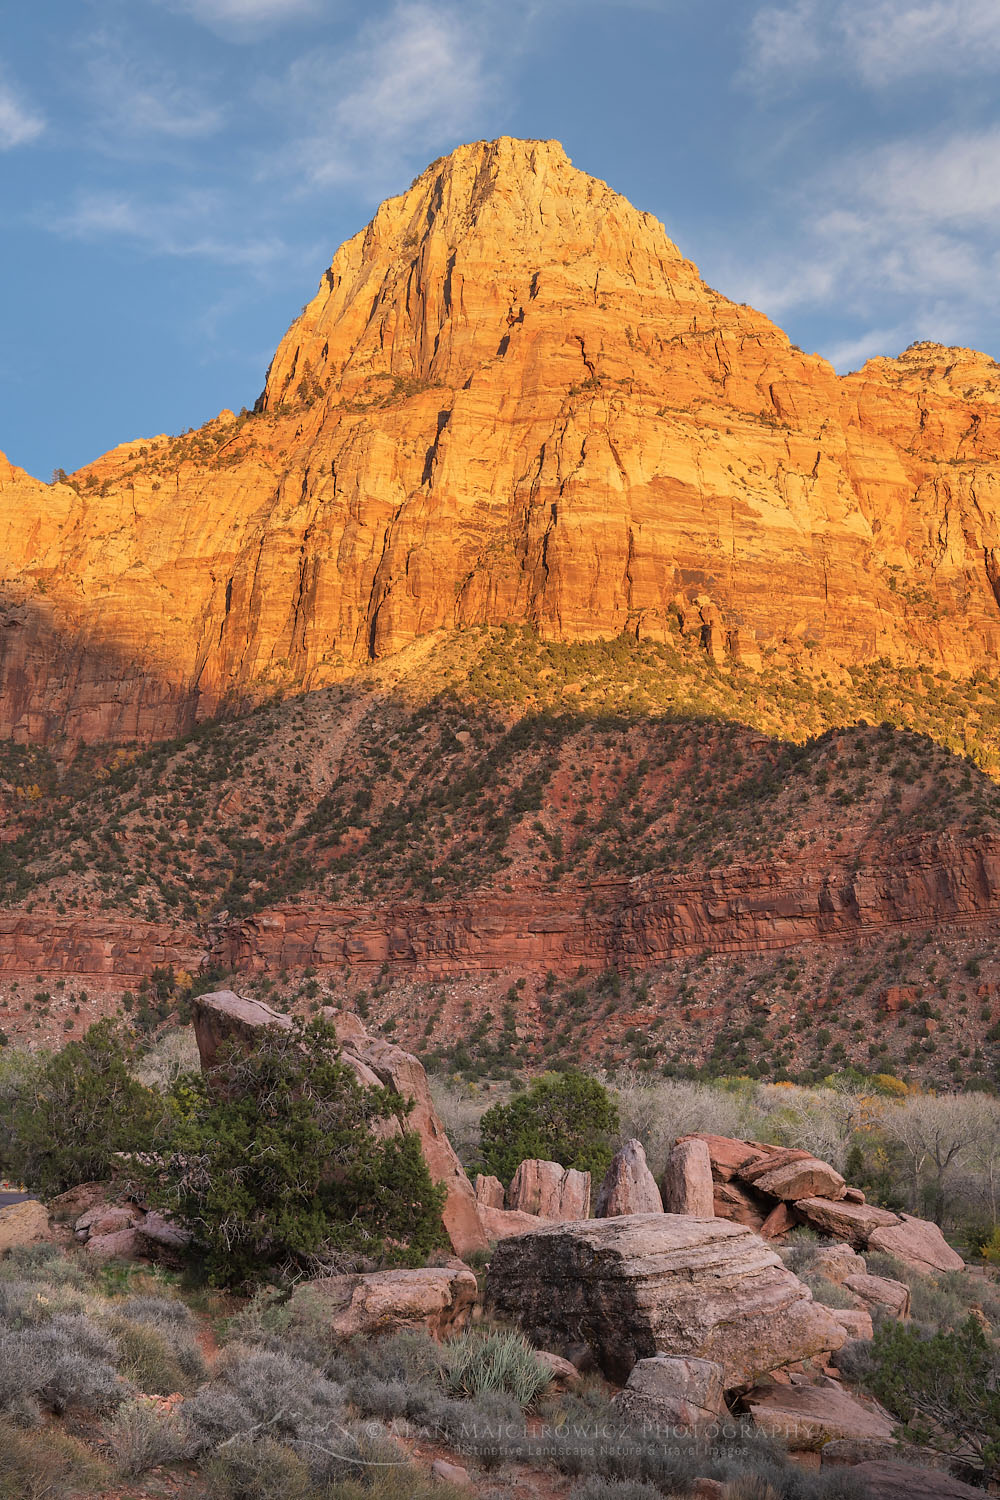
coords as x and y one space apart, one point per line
632 1287
807 1416
852 1222
917 1243
25 1223
511 400
439 1299
671 1392
223 1018
549 1190
629 1187
686 1186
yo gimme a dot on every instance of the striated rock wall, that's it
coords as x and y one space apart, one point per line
512 399
625 923
110 948
614 923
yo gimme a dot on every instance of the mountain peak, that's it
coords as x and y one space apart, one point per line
427 290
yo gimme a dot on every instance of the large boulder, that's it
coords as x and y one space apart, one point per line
673 1392
504 1223
25 1223
836 1262
224 1017
439 1299
726 1154
631 1287
549 1190
791 1175
853 1222
807 1416
489 1192
855 1321
686 1185
880 1292
885 1480
629 1187
917 1243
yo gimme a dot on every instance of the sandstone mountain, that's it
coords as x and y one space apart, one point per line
512 400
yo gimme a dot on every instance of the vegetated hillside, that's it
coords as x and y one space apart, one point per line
535 785
512 401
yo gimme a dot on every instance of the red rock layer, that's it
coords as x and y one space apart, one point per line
634 923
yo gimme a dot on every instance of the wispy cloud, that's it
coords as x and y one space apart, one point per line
19 123
137 98
245 19
184 226
411 82
880 41
909 229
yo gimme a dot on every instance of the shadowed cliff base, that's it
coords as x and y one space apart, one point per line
342 839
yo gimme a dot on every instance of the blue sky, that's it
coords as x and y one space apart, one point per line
176 174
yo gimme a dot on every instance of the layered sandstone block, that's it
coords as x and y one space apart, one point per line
633 1287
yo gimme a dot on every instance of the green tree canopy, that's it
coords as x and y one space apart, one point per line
66 1118
943 1389
273 1164
563 1117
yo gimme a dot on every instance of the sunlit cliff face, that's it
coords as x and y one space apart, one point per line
512 400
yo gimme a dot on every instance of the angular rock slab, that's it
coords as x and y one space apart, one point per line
884 1480
686 1186
740 1205
489 1192
726 1154
917 1243
880 1292
674 1392
836 1262
807 1416
439 1299
853 1222
805 1177
505 1223
549 1190
629 1186
644 1284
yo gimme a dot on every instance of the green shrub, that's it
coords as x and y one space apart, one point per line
563 1117
597 1488
272 1163
146 1359
63 1124
942 1388
45 1465
480 1362
257 1469
140 1437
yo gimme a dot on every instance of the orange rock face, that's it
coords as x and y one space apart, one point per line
512 399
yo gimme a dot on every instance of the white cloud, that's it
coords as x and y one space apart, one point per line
901 240
881 41
19 125
954 181
850 354
412 82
